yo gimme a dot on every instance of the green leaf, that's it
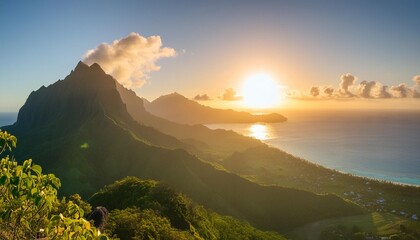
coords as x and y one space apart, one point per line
33 191
37 169
55 218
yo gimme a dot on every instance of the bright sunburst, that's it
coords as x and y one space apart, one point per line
260 91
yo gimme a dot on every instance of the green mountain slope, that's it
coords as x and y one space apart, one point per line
79 128
180 109
182 213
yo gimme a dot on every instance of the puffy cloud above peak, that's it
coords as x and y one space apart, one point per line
129 59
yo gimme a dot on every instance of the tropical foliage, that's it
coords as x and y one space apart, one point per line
29 204
145 209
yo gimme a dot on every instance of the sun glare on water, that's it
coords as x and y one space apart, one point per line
259 132
260 91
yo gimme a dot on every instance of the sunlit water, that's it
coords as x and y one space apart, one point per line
259 131
382 145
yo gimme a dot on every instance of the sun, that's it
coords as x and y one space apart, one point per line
260 90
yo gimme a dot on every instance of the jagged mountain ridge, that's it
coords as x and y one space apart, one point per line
83 95
79 128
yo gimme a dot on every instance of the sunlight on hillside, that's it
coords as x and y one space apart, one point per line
84 145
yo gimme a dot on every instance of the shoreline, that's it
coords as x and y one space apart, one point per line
243 130
367 176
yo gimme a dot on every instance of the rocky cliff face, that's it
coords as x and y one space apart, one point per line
86 92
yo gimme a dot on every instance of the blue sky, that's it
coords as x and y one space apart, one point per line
302 43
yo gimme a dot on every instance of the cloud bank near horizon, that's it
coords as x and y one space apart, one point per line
202 97
230 95
348 89
130 59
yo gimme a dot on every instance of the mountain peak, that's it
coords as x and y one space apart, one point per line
85 93
81 66
172 97
96 67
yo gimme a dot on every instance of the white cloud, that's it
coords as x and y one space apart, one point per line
130 58
401 91
365 88
380 91
416 80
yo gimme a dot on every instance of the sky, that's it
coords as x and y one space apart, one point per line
211 47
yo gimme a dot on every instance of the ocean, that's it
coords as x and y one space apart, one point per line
378 144
7 118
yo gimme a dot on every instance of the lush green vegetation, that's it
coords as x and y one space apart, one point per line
262 164
29 207
381 198
86 137
374 224
149 209
279 168
268 166
340 232
90 132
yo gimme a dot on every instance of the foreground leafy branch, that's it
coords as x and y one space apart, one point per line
29 204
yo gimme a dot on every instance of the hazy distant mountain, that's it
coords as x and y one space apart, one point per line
213 144
79 128
178 108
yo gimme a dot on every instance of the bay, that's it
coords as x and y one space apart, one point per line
378 144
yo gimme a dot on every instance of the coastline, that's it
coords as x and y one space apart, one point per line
318 150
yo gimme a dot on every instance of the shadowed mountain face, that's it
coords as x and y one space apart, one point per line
180 109
79 129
